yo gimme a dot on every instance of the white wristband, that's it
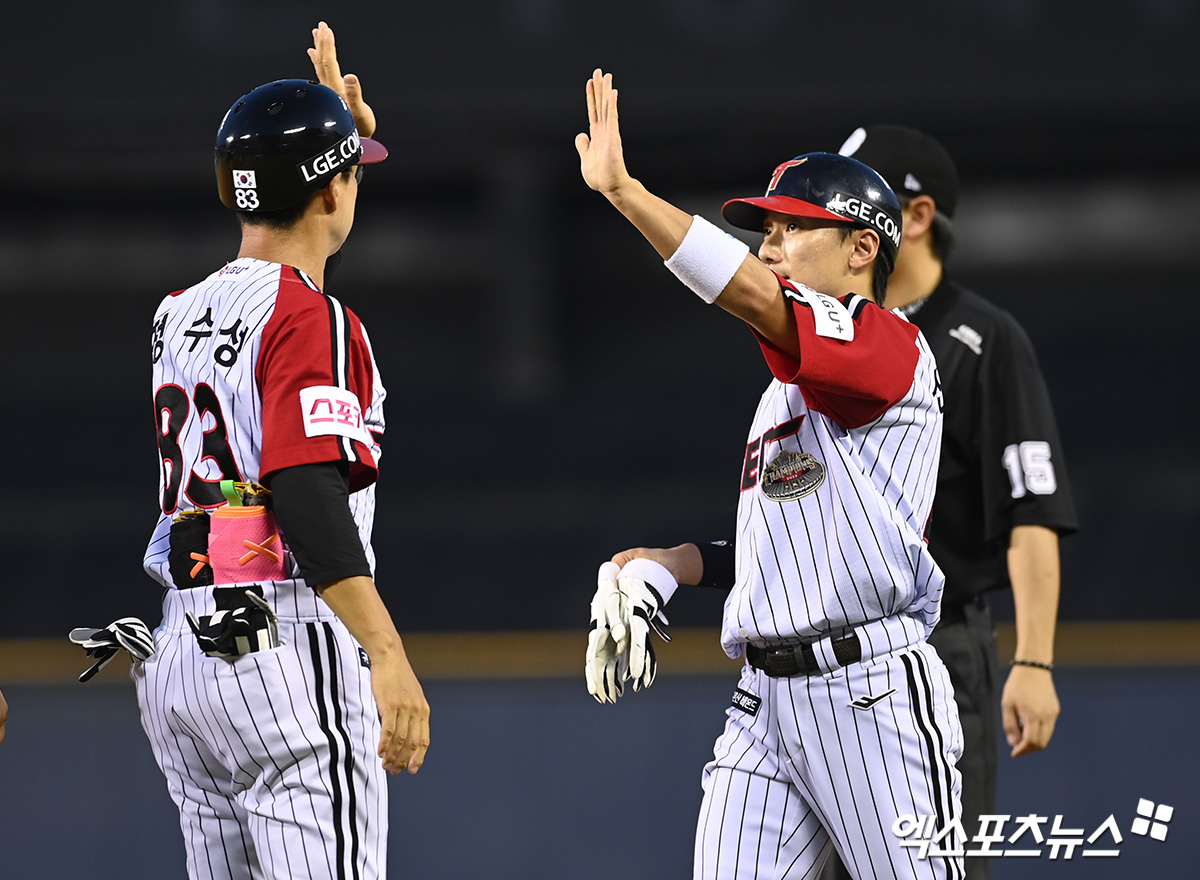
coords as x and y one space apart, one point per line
707 259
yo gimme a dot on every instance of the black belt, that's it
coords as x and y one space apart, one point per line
789 660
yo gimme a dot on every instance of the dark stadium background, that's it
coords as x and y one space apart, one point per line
554 395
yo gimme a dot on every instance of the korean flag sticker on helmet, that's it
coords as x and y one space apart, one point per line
244 180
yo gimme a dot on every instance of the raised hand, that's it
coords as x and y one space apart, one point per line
324 59
601 159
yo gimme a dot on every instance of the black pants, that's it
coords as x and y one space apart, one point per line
968 648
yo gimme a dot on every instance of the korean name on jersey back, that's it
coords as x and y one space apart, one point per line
234 363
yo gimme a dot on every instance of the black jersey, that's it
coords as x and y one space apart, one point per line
1002 462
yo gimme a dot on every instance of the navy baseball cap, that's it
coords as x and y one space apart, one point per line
912 162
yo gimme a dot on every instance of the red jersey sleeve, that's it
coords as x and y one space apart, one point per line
316 377
852 382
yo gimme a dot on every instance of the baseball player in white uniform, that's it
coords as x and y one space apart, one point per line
843 730
278 693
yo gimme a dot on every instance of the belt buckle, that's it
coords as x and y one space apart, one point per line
802 659
784 661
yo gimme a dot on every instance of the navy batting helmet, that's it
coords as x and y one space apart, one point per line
285 140
828 186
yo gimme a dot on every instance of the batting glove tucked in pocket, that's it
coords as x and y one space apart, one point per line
128 633
237 631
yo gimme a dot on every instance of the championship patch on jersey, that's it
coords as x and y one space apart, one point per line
326 409
792 475
746 701
832 319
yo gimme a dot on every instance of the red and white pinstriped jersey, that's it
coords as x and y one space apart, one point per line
255 370
838 479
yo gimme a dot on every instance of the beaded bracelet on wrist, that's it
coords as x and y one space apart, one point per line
1036 664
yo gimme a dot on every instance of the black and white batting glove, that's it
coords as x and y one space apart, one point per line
244 630
607 661
645 588
128 633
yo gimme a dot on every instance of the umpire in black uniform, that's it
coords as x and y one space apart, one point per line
1002 494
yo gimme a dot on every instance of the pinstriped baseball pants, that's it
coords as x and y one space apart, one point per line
270 757
808 771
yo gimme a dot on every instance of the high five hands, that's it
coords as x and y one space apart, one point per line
323 55
600 157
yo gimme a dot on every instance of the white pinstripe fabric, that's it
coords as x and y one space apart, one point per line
808 771
244 290
853 550
809 767
362 503
269 757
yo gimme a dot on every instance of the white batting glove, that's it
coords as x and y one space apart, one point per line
129 633
607 660
645 588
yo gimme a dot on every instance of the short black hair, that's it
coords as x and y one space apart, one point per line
882 269
942 229
285 218
882 273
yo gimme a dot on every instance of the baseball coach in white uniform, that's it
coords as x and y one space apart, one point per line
279 691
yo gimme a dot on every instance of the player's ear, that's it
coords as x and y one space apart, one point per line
332 193
865 247
918 217
329 196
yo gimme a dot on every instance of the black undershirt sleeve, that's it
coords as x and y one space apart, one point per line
719 569
312 506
